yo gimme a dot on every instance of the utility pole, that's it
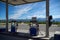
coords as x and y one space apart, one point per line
6 15
47 18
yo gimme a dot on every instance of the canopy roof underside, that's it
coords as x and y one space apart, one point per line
19 2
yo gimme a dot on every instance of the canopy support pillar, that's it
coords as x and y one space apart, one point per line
47 18
6 15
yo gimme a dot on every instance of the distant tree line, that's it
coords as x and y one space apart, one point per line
40 22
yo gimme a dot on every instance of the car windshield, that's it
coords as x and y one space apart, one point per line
23 15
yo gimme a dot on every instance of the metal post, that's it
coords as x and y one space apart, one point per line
6 15
47 18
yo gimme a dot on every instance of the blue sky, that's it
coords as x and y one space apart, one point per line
30 10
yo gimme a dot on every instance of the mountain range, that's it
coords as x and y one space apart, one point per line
57 19
38 19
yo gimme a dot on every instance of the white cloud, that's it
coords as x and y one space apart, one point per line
53 7
22 10
43 16
19 12
56 16
40 12
25 9
38 16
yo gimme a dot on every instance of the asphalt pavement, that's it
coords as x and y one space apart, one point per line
25 29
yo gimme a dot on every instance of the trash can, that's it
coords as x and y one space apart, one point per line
33 31
57 37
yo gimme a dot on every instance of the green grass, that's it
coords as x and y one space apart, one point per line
56 22
38 22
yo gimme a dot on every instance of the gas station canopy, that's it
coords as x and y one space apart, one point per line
19 2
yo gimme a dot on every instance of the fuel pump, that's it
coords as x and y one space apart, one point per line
34 27
14 26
